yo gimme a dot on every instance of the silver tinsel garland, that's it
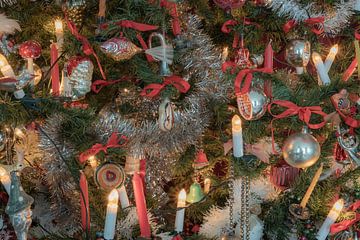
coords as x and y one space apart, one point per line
202 63
336 18
62 186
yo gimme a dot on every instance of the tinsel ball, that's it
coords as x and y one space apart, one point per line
30 49
252 105
301 150
298 53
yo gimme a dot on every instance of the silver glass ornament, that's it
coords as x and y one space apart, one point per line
298 53
301 150
253 105
19 207
350 143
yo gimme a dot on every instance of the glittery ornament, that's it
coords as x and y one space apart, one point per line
166 115
18 207
283 175
201 160
109 176
298 54
79 71
339 153
301 150
120 48
229 4
74 9
252 105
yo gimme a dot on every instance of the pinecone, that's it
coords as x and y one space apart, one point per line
74 10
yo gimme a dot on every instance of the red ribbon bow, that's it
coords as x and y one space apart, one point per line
113 142
341 226
87 48
304 114
153 89
230 23
245 76
312 22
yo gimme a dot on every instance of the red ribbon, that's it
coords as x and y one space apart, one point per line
343 225
245 76
312 22
87 48
171 6
97 85
8 80
114 142
231 23
304 114
357 33
153 89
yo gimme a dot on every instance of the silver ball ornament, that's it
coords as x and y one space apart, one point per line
298 53
301 150
253 105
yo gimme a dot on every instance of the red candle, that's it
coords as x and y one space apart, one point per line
55 78
268 56
351 69
141 209
84 203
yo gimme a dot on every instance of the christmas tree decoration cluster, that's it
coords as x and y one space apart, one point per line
180 119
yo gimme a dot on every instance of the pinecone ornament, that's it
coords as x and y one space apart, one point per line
74 9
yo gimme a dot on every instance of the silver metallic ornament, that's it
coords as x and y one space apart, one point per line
252 105
298 53
301 150
350 143
18 207
2 141
166 115
79 73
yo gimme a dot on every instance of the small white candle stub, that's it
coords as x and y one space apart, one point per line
59 32
124 200
111 214
330 219
5 179
324 76
180 213
207 185
238 145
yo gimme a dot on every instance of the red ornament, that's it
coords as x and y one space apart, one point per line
339 153
30 49
283 175
200 160
229 4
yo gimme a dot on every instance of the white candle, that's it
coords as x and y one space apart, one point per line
330 219
238 145
111 213
124 200
207 185
180 213
324 76
59 32
331 57
5 67
5 179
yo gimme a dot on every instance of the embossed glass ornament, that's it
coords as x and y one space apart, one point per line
298 53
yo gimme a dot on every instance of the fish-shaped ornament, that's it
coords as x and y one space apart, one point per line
122 48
